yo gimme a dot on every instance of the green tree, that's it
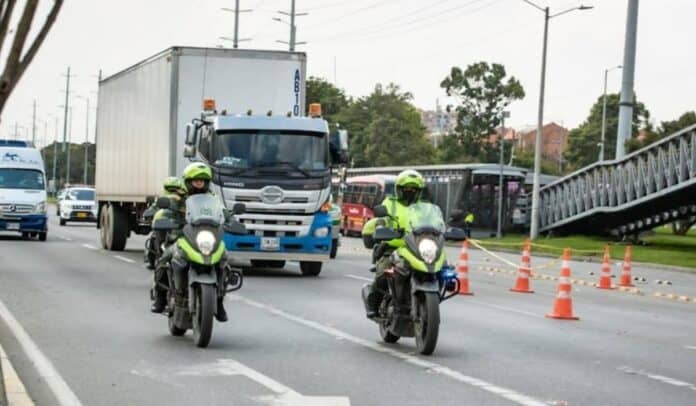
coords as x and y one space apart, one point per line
483 92
386 129
333 100
583 141
666 128
77 163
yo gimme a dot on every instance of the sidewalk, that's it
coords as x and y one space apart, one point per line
12 390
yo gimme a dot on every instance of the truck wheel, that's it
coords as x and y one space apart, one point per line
62 222
334 248
114 228
42 236
310 268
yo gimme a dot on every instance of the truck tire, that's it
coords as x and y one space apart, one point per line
114 228
42 236
310 268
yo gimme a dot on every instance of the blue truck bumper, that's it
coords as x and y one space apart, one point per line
32 223
304 248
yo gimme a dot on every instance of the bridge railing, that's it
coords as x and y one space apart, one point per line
663 167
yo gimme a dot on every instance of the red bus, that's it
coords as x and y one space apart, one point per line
361 194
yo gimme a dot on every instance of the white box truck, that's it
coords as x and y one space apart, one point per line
142 137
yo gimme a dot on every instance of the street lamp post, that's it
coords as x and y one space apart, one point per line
604 112
504 115
534 227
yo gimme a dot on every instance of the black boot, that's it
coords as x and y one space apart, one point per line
374 299
160 301
221 314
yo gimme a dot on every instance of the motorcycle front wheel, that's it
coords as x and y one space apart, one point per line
205 296
427 326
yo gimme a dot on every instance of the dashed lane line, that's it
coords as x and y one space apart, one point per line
360 278
65 238
90 247
124 259
506 393
48 373
690 347
657 377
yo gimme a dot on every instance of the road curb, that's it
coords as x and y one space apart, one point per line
12 390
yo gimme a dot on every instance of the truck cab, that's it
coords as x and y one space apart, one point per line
22 190
280 168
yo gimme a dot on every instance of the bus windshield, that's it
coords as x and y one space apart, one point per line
21 179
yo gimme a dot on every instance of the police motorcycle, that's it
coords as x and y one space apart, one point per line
419 279
198 272
159 221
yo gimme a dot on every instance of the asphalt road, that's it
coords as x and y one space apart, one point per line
305 341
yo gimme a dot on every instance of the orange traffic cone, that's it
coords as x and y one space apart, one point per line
463 270
626 271
605 278
563 307
522 284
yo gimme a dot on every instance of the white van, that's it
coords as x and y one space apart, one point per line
22 190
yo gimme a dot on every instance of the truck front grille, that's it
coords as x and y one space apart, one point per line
9 210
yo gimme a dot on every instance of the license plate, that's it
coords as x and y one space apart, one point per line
270 244
82 215
13 226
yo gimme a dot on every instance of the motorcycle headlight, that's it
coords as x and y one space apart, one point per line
40 208
428 250
206 242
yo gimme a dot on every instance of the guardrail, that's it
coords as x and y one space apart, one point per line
646 188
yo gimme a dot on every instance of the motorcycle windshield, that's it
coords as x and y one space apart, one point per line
425 216
204 208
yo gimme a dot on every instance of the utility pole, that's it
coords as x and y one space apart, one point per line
67 156
629 64
33 124
66 149
534 226
293 28
604 112
500 177
55 153
236 40
84 174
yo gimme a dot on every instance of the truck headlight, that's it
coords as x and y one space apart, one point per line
40 208
206 242
321 232
428 250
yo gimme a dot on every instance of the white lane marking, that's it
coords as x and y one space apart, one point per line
124 259
506 393
691 347
43 365
91 247
285 396
64 238
505 308
360 278
657 377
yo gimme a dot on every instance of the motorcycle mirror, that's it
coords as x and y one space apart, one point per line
235 227
455 234
386 234
239 208
380 211
163 203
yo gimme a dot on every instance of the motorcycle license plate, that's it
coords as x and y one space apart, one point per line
270 244
13 226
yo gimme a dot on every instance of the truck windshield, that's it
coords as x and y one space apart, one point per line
21 179
304 152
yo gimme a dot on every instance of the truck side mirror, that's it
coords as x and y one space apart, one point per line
189 151
190 141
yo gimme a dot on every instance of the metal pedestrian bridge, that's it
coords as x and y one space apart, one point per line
649 187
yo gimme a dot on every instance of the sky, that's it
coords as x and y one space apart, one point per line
359 43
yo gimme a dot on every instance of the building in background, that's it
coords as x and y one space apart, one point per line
438 123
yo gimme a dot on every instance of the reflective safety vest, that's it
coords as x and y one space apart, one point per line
469 218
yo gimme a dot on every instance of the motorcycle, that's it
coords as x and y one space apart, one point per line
419 278
159 220
198 273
